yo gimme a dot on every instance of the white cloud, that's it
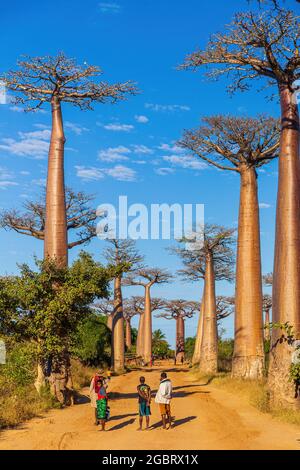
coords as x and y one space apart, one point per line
142 149
113 154
6 178
121 173
30 144
76 128
264 205
171 148
25 173
7 184
118 127
89 174
39 182
141 119
118 172
167 107
164 171
16 109
107 7
185 161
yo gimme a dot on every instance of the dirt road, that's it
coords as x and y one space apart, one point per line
205 418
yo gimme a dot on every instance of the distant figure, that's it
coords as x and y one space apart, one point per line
101 404
182 360
163 398
94 391
174 360
144 392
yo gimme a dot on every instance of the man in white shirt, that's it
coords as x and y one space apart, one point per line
163 398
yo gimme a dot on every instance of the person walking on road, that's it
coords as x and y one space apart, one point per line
144 393
163 398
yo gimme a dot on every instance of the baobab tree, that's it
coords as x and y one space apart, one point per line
124 257
147 277
266 45
179 310
105 307
137 304
245 144
57 80
225 307
267 304
79 213
210 259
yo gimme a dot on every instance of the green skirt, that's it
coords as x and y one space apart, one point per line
101 408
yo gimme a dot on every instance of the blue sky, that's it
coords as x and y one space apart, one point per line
127 148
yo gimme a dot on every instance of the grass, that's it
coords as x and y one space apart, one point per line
254 392
19 403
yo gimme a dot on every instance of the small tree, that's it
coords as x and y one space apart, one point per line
179 310
106 307
124 257
80 218
57 80
209 261
147 277
266 45
40 295
245 144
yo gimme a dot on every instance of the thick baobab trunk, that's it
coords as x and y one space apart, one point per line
140 336
197 348
55 244
147 327
209 345
266 326
128 334
179 339
286 277
118 329
248 357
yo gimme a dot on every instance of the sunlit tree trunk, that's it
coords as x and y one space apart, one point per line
40 381
267 324
118 328
286 277
179 339
248 358
55 244
197 348
128 334
209 345
147 327
140 336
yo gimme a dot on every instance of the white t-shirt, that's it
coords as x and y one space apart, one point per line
164 392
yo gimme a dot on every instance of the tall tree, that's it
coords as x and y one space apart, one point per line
147 277
136 304
266 45
195 264
123 255
245 144
179 310
208 258
54 80
80 218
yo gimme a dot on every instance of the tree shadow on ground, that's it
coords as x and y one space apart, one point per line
122 425
80 399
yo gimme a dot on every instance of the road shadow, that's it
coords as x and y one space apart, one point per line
122 425
80 399
114 418
175 422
